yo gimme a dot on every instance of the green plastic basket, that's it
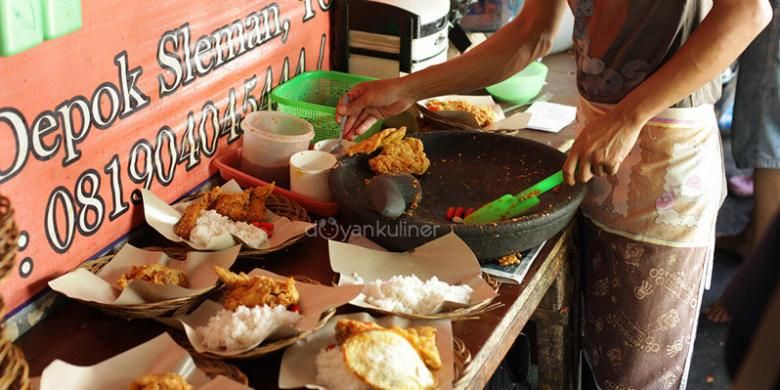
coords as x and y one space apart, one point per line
314 95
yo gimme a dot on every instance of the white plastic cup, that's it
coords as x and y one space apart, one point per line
327 145
309 172
270 138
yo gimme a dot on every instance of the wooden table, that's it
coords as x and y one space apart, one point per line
80 335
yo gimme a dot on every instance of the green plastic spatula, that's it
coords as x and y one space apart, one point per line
510 206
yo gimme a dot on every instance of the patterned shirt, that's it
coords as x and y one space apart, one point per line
620 43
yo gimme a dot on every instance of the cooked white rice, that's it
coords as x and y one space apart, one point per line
211 224
244 328
409 294
333 374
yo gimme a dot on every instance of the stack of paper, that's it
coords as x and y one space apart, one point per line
550 117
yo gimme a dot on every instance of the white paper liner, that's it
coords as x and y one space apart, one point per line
447 257
163 217
482 100
314 300
156 356
102 288
298 368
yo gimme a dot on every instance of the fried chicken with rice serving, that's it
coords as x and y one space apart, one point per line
402 156
250 291
247 206
484 115
155 273
376 141
166 381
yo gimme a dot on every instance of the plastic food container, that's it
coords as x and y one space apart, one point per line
270 138
314 95
523 86
228 165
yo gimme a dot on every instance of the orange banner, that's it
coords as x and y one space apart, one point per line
142 96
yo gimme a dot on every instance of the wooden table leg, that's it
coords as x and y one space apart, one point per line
556 327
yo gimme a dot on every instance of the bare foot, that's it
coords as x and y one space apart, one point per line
717 313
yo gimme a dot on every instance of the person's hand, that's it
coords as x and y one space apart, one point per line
601 147
371 101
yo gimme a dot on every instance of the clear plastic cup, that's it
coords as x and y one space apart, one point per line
270 138
309 173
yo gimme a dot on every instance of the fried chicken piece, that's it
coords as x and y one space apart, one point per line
232 205
167 381
250 291
484 115
155 273
255 210
376 141
422 338
184 227
403 156
247 206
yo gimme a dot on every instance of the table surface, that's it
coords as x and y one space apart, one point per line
80 335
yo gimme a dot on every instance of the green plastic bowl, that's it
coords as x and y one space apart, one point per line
523 86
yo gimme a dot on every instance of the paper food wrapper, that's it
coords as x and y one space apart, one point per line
516 121
483 100
157 356
299 369
448 258
163 217
102 287
314 300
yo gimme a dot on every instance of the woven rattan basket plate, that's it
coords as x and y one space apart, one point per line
283 207
8 236
166 308
462 358
214 368
13 366
262 349
463 313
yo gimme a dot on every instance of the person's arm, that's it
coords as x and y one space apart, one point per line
505 53
723 34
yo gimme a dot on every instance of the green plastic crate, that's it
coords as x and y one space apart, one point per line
314 95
